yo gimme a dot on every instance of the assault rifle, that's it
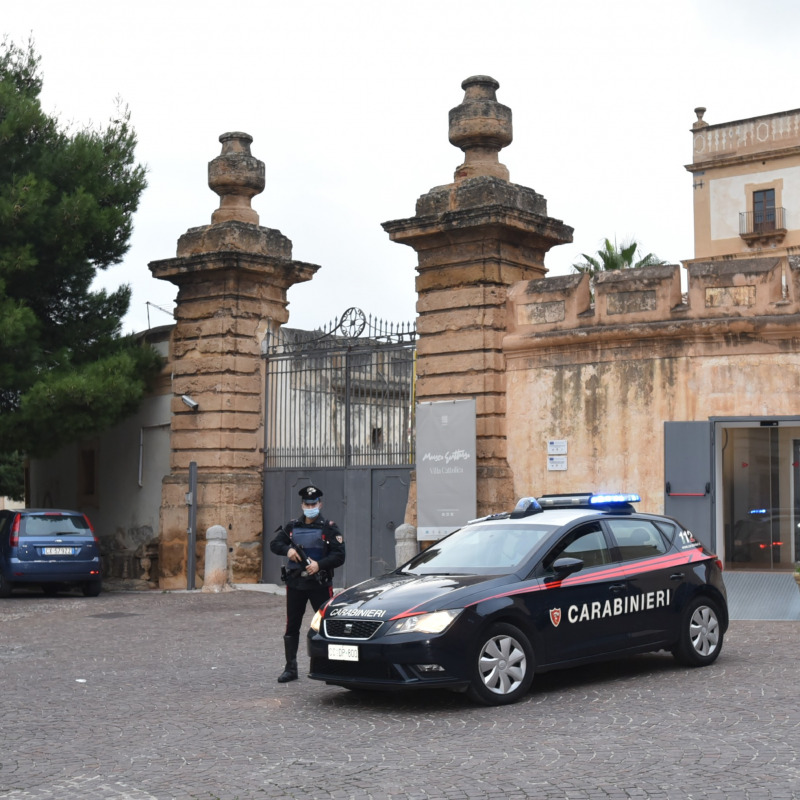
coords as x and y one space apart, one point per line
318 575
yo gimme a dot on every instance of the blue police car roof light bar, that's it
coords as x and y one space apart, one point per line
532 505
613 499
525 507
588 500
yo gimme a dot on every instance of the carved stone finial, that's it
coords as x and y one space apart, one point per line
481 127
236 176
700 110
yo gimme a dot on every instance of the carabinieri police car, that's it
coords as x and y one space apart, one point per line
562 580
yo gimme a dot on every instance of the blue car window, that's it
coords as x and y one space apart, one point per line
51 524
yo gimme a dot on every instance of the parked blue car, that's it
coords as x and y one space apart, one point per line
51 548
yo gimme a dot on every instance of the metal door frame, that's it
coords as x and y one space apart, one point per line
720 424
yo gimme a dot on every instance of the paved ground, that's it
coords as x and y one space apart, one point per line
135 696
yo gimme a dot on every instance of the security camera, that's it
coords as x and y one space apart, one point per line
193 404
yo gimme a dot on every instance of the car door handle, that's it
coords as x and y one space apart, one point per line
616 588
676 576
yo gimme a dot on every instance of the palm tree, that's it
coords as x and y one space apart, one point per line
610 257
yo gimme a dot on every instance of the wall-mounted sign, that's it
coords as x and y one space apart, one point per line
446 468
556 447
556 463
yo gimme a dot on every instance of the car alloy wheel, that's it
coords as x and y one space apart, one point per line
701 634
503 666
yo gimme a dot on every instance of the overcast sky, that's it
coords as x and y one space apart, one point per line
347 103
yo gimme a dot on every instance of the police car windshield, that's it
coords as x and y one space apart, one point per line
493 548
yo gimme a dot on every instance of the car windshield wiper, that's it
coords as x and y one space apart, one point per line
427 574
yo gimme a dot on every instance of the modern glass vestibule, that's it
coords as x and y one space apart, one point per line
760 492
736 484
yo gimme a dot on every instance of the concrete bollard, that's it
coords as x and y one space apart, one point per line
215 578
405 543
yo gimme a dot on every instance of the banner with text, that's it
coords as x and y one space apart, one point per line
446 467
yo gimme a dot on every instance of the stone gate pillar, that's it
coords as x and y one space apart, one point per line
232 278
474 238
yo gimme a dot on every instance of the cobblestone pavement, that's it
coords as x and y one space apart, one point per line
151 695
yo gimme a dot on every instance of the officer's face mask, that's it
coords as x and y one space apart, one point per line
311 513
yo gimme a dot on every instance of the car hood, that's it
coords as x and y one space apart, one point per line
395 594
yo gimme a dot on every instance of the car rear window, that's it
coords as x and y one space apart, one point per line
52 524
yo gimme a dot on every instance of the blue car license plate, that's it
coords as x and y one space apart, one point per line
59 551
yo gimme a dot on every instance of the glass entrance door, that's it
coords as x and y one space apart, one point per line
760 494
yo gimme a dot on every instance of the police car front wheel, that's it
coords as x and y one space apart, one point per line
700 634
502 666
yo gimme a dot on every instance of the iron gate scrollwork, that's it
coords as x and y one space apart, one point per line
341 397
340 411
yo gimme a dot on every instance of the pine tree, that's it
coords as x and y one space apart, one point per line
67 199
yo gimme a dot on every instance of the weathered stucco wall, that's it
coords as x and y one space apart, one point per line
612 414
607 382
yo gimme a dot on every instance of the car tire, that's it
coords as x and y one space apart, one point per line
92 588
5 586
700 636
502 666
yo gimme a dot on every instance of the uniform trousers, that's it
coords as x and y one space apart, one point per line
296 600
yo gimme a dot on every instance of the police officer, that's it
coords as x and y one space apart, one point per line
310 581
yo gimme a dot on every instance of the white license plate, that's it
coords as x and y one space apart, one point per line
58 551
342 652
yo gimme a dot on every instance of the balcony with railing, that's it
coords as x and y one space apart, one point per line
768 224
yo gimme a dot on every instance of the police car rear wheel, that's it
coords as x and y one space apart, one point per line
700 639
502 666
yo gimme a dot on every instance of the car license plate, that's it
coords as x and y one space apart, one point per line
59 551
342 652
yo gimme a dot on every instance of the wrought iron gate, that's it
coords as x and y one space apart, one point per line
340 413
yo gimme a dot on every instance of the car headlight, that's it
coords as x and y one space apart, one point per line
316 622
435 622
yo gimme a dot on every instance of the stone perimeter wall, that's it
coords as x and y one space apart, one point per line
606 376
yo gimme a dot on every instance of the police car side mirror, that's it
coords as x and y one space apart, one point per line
566 566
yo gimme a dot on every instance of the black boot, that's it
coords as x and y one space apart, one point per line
290 670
